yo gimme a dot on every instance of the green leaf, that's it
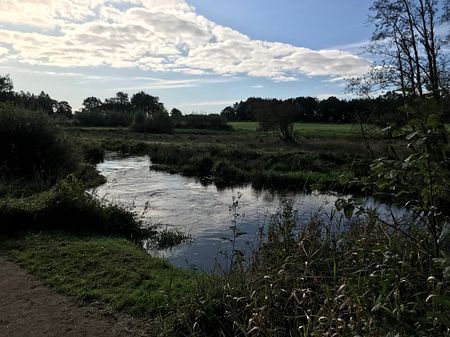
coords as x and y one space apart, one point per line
348 211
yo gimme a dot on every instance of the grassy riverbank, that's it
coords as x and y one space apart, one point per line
321 156
109 271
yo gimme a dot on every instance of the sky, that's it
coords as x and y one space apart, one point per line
196 55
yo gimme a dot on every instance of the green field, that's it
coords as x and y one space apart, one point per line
316 129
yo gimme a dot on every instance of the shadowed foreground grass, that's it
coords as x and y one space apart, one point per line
103 269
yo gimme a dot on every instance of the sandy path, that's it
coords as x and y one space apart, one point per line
28 309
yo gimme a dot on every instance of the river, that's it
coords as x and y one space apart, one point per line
204 211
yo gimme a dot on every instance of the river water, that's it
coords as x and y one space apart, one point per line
204 211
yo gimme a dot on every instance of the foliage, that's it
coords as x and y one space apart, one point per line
121 111
168 237
67 206
211 121
311 280
155 122
104 118
32 147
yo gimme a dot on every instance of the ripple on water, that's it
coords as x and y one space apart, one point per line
202 211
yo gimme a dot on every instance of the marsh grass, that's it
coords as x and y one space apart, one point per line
309 280
230 158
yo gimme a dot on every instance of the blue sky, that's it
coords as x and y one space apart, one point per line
196 55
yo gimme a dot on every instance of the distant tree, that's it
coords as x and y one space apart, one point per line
64 109
229 113
278 116
153 122
307 109
92 104
142 101
6 88
176 116
46 103
175 113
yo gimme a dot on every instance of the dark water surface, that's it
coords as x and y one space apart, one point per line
202 210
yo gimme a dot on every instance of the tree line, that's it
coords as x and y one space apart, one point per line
42 102
314 110
141 112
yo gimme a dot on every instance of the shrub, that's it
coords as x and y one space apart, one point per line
211 121
31 146
156 122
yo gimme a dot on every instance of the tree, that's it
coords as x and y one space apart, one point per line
64 109
6 88
278 116
418 176
229 113
147 103
46 103
92 104
175 113
405 37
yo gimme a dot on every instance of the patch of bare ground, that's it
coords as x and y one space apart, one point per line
29 309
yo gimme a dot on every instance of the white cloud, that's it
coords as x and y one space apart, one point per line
3 51
156 83
156 35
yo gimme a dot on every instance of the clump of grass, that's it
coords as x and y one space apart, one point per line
92 151
168 237
67 206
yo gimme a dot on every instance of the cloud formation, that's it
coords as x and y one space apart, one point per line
154 35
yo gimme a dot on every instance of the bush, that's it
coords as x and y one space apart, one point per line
32 147
156 122
104 118
212 121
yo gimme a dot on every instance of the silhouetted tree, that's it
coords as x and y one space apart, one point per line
92 104
64 109
6 88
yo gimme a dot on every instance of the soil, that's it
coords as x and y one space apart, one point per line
29 309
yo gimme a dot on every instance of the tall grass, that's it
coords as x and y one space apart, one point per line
305 280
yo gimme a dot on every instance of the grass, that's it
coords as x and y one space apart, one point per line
323 153
109 270
308 280
318 130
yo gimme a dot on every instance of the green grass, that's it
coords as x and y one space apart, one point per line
322 153
103 269
324 130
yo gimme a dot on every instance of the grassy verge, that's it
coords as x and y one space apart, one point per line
109 270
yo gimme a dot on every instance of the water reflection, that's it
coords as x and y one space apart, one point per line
203 210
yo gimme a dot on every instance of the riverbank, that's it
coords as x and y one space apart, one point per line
108 272
29 308
324 157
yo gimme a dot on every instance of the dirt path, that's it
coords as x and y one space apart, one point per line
28 309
